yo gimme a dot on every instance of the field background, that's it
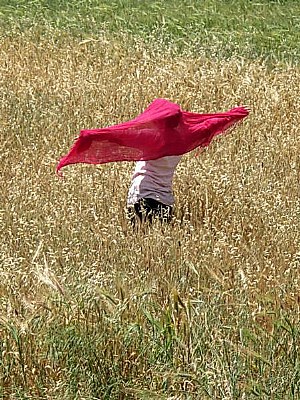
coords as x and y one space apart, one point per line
207 308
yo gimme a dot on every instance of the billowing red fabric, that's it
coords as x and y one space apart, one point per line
163 129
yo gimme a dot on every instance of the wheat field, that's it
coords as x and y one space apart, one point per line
207 308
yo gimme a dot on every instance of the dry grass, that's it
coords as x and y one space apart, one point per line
207 308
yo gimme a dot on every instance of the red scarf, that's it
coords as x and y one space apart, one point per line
163 129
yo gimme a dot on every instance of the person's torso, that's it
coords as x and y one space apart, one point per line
153 179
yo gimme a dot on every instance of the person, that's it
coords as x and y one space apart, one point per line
160 134
150 195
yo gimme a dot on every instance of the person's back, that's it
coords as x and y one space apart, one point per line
151 193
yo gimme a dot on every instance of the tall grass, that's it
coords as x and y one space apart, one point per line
207 308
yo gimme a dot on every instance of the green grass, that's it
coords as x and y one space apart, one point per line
103 352
268 29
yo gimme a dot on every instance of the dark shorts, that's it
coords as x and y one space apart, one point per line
148 210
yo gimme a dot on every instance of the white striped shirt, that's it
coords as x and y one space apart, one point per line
153 179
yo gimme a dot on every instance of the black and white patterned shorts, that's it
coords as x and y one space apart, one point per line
148 210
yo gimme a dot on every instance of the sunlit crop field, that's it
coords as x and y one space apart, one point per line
206 308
